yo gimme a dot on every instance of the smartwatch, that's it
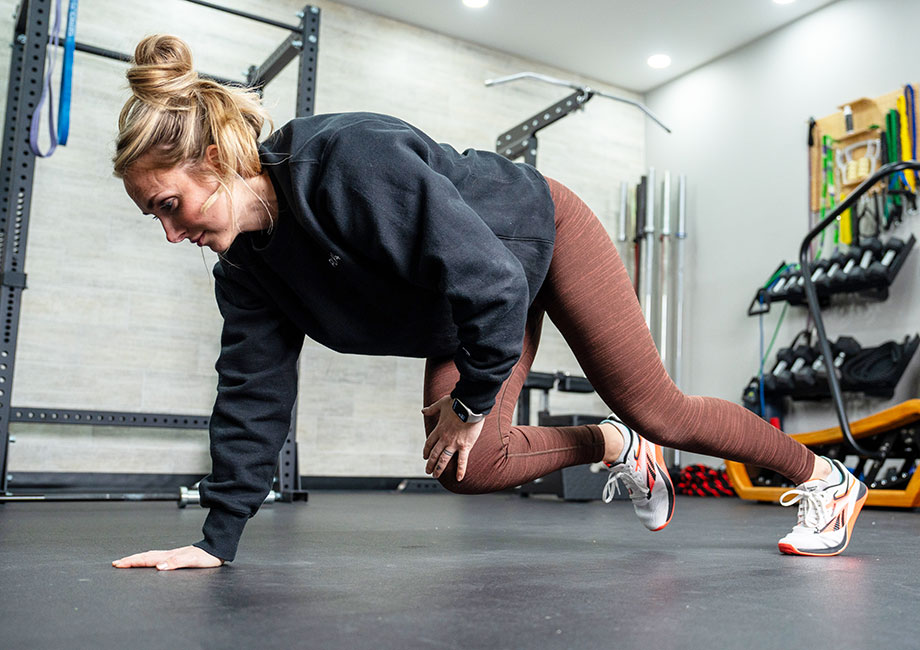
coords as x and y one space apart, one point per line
464 413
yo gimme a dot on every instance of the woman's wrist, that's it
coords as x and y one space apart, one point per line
464 412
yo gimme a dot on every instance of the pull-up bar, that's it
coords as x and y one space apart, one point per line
126 58
257 77
522 139
585 90
237 12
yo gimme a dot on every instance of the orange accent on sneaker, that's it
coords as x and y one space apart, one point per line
659 459
789 549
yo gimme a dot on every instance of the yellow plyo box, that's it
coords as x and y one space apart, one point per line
883 422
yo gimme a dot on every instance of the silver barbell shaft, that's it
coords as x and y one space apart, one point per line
624 211
191 496
649 261
680 235
664 277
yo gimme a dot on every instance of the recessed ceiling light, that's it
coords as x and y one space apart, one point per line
659 61
475 4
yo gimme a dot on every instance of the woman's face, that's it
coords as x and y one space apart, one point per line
174 197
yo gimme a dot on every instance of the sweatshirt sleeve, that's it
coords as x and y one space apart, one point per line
256 390
377 188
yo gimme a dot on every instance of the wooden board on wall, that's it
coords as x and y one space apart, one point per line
866 114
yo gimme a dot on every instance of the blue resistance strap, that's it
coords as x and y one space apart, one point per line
67 74
47 92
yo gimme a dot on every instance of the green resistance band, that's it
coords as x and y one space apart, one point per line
827 189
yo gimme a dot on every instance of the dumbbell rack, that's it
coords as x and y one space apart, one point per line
887 437
790 286
800 373
814 304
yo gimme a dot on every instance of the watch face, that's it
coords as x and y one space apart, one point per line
460 411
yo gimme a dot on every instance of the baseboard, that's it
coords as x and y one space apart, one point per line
103 482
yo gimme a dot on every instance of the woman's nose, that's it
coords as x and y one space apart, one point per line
173 235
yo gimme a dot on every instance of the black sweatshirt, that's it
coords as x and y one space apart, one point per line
386 243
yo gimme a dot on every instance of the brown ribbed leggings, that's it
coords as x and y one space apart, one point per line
588 295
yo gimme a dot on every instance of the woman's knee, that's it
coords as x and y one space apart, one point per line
484 464
469 485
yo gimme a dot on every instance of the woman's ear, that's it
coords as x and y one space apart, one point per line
211 157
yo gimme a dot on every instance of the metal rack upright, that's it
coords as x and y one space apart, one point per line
27 65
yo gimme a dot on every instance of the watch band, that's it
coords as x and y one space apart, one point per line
464 413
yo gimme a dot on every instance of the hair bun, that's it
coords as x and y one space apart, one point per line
173 117
164 50
162 73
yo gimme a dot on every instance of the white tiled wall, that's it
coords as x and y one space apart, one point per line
116 319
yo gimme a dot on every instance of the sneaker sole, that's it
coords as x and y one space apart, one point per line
789 549
662 470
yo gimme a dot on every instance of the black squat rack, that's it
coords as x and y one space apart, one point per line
27 65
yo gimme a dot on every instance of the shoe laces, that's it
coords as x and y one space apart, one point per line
635 484
813 513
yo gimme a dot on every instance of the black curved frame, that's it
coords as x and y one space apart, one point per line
812 295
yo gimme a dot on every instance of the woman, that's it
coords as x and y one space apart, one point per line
361 232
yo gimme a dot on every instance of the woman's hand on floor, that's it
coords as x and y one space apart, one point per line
449 437
186 557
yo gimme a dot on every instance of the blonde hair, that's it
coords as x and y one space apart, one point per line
175 115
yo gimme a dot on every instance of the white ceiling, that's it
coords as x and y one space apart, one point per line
608 40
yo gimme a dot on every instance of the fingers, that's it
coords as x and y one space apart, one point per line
429 444
177 558
433 455
440 462
432 438
448 438
434 411
146 559
435 407
462 459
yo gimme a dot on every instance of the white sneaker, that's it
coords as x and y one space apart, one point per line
827 513
646 478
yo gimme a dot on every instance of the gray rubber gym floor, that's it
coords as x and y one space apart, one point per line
385 570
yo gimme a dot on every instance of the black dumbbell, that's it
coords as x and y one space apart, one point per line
808 376
878 270
833 273
819 270
850 273
804 357
795 288
779 287
844 348
780 378
869 250
846 344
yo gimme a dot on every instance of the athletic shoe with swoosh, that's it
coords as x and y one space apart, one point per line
827 513
646 478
